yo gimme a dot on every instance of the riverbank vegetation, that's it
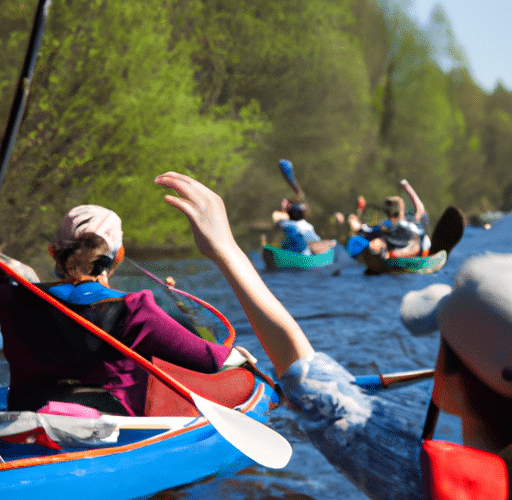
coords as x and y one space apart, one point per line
354 93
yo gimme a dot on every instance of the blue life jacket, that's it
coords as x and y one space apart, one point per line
83 293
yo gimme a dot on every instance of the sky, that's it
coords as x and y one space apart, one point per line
483 28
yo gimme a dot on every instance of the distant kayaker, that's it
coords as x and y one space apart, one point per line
396 236
375 441
298 232
87 248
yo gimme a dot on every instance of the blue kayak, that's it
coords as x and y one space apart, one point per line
151 453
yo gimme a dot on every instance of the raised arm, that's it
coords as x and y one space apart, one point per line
279 334
418 204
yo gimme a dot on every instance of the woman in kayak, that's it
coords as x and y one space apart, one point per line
368 437
48 362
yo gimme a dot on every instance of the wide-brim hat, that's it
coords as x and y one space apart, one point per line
90 219
474 318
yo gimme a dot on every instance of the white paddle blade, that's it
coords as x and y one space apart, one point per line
254 439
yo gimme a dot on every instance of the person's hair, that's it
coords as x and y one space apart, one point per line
492 408
87 256
296 212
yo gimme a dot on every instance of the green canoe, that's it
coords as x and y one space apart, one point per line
428 264
276 258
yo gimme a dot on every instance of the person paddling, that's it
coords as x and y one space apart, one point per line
298 232
395 236
87 248
367 437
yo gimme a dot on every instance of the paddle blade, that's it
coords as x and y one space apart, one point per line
361 203
254 439
448 231
287 171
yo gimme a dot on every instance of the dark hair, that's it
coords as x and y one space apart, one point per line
87 256
486 404
296 212
392 208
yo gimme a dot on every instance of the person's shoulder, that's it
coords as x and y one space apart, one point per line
22 269
140 296
143 299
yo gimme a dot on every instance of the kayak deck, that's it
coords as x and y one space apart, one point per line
277 258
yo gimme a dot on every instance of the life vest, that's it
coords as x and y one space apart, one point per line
455 472
452 471
398 235
55 338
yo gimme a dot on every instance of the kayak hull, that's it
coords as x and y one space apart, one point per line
144 461
422 265
277 258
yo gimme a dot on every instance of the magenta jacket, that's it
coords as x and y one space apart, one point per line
146 328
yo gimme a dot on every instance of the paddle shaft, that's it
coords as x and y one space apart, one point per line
382 381
22 90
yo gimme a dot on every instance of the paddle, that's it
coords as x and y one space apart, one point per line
448 231
20 98
287 171
254 439
286 167
374 382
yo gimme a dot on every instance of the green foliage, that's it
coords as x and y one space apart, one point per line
355 94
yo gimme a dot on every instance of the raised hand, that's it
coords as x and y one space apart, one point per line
205 211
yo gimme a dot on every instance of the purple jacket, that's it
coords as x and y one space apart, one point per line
147 329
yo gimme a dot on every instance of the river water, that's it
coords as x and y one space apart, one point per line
352 317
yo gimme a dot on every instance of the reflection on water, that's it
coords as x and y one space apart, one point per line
352 317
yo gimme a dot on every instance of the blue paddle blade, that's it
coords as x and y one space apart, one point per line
287 170
356 245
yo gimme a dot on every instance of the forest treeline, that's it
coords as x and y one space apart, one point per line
353 92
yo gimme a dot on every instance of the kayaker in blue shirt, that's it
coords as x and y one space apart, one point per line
298 232
370 438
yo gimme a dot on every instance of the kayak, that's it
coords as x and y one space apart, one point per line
277 258
447 233
68 450
147 454
422 265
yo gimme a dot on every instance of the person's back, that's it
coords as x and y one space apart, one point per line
297 230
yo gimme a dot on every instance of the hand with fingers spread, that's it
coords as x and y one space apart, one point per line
205 211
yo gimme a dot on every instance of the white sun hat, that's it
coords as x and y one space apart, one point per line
475 318
90 219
